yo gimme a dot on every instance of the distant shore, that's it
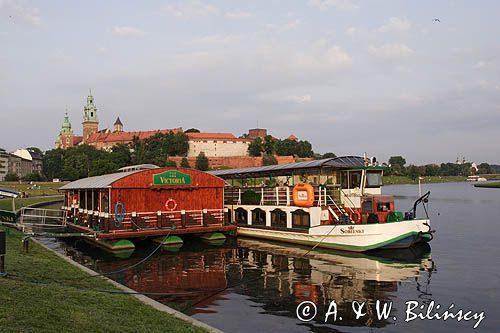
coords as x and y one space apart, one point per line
489 185
397 180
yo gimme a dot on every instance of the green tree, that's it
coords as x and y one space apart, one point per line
397 164
192 130
11 177
269 160
121 155
102 167
185 163
202 162
484 168
255 147
268 145
53 163
170 164
328 155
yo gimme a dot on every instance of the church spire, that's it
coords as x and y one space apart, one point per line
66 126
90 110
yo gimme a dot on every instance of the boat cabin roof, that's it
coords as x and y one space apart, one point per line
342 162
97 182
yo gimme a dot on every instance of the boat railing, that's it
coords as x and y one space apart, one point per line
147 220
346 197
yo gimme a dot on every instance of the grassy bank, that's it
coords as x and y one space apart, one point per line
392 180
60 304
489 185
6 204
41 188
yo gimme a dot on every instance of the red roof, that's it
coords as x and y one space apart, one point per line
127 136
77 140
292 137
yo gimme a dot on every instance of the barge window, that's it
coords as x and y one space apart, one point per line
373 179
278 218
258 217
300 219
355 179
241 216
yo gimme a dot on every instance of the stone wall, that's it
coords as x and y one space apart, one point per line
233 162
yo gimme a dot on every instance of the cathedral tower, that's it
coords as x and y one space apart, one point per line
65 138
90 120
118 125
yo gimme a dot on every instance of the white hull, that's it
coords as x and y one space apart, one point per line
353 237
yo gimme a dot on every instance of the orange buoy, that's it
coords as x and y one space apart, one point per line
303 195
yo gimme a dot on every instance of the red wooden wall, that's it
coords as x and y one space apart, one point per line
138 194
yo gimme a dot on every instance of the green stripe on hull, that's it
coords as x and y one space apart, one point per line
336 246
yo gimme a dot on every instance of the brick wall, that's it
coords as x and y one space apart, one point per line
233 162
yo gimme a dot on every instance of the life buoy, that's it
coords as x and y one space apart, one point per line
355 217
119 214
169 206
303 195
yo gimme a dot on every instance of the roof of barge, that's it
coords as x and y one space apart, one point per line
97 182
342 162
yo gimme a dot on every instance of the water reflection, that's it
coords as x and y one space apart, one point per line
272 278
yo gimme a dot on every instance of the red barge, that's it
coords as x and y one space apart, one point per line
147 201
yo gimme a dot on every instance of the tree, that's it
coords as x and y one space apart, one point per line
328 155
11 177
102 167
170 164
32 177
192 130
268 145
397 164
255 147
269 160
289 147
484 168
53 163
202 162
185 163
120 155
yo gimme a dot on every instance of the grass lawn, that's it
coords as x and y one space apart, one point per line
489 185
6 204
41 188
57 306
392 180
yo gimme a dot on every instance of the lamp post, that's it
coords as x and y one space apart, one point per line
419 187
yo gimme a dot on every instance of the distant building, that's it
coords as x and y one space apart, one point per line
4 164
211 144
23 162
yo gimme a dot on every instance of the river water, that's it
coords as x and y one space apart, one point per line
249 285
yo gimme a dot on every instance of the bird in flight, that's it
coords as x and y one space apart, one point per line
436 20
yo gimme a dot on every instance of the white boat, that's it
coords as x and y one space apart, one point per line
332 203
476 179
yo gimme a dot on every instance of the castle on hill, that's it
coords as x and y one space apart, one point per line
218 147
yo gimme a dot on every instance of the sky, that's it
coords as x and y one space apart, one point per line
350 76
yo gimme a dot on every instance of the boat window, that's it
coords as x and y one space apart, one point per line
278 218
300 219
344 179
241 216
373 179
105 202
258 217
367 206
355 179
383 206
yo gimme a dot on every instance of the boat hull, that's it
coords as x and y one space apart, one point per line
353 237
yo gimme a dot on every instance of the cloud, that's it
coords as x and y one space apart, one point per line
284 27
215 39
390 51
479 65
17 13
298 98
127 31
337 4
238 14
188 9
396 25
